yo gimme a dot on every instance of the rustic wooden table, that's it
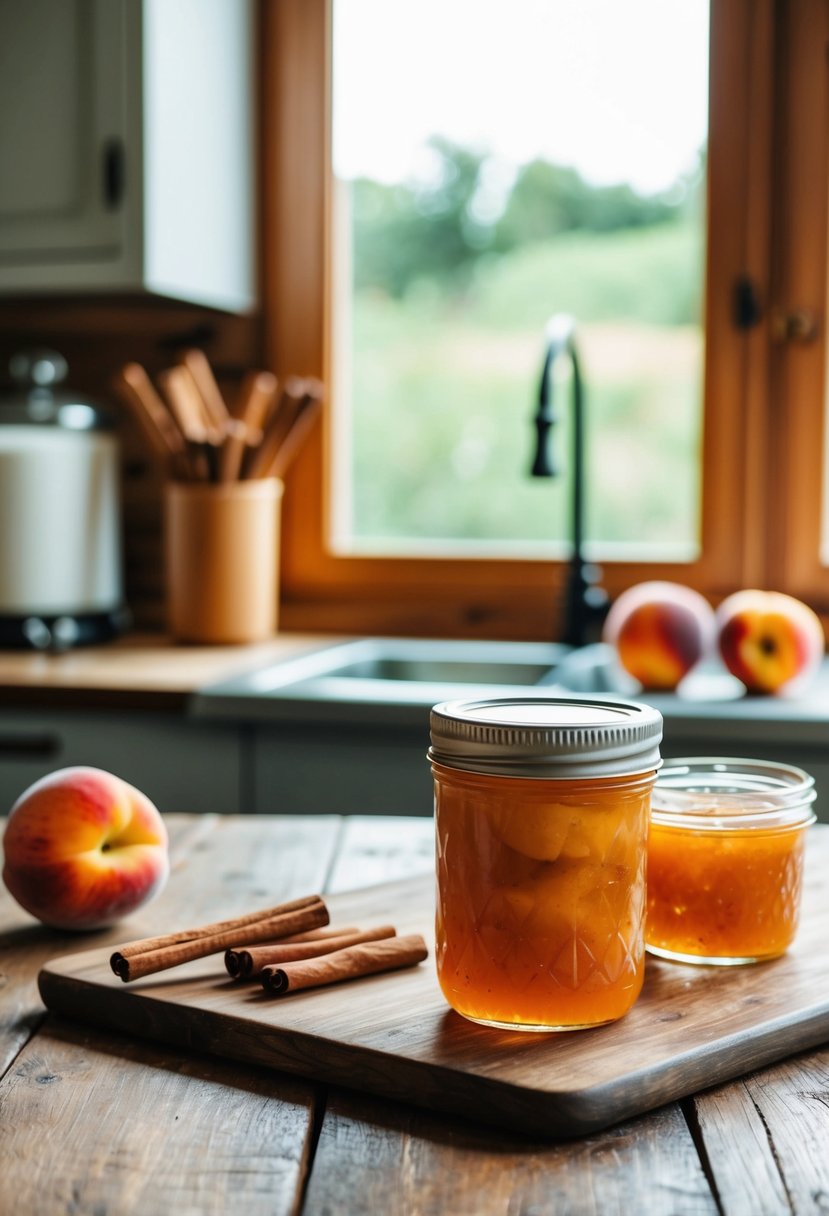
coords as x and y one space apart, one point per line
94 1122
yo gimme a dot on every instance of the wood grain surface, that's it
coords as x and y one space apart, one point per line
393 1035
432 1164
781 1162
139 667
184 1134
95 1121
107 1123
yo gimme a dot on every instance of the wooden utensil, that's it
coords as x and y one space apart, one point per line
177 386
215 410
296 399
278 425
192 431
136 390
307 414
246 428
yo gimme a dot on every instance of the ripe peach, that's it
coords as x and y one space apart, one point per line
83 849
770 641
660 630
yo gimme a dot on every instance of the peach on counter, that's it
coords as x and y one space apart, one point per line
84 849
768 640
660 631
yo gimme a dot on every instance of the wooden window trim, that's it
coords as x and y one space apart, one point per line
516 598
794 475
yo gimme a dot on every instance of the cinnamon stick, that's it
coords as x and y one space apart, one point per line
143 944
246 961
311 937
149 955
316 935
348 964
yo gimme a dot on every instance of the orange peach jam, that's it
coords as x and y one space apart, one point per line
725 860
541 880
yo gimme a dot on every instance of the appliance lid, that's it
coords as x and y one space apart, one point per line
37 398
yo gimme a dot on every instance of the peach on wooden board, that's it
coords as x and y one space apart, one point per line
770 641
82 849
660 631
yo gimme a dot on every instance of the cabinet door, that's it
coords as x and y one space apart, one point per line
180 765
62 126
340 771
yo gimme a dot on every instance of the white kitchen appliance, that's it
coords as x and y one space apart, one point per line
60 543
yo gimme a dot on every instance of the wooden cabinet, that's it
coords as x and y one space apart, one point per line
180 765
127 149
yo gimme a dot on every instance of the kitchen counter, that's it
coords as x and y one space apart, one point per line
124 707
95 1120
138 707
137 671
151 671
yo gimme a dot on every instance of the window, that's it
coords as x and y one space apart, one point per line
744 536
466 214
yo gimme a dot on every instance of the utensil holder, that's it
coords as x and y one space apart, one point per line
222 560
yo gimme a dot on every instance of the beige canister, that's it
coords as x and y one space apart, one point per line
222 560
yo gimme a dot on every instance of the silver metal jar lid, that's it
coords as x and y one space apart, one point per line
561 737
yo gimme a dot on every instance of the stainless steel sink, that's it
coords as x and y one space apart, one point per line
345 729
396 680
429 670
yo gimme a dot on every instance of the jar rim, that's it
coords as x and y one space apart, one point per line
549 737
722 794
598 780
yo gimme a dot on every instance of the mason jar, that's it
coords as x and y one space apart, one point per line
541 817
725 859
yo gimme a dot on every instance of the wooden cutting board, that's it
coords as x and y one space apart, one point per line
394 1035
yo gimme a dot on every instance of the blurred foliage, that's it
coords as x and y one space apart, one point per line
648 274
456 276
468 206
444 391
548 199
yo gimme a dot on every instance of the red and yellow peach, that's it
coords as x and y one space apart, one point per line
770 641
84 849
660 631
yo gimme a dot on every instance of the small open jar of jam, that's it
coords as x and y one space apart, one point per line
541 819
725 859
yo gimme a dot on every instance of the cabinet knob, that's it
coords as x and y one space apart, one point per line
794 325
113 173
29 746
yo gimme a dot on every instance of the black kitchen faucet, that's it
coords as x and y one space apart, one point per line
586 601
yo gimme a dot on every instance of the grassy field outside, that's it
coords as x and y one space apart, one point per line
444 389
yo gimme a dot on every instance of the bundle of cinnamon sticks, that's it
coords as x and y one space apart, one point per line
197 437
286 948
